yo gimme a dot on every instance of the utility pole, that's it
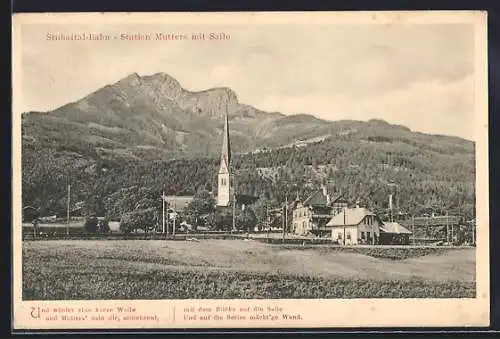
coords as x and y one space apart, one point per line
266 219
35 228
167 224
373 231
344 228
285 217
233 177
452 241
413 228
166 221
390 208
286 214
163 211
473 232
268 222
233 228
283 223
175 216
67 214
447 231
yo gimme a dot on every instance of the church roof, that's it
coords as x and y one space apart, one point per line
226 146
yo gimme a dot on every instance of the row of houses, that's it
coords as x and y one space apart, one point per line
322 215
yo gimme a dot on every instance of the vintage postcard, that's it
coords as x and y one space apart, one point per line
250 170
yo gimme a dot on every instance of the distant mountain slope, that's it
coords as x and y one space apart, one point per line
153 117
151 114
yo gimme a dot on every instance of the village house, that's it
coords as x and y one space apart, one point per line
311 215
355 226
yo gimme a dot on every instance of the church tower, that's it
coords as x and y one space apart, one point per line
224 176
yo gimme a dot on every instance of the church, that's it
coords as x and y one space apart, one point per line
224 184
228 200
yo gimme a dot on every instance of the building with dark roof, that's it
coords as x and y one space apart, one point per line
311 215
392 233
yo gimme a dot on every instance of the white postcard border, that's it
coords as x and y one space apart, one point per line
315 313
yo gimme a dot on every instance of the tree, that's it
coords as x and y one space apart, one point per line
94 202
35 226
103 226
146 220
91 224
245 220
427 169
223 219
210 221
202 204
259 209
30 213
132 199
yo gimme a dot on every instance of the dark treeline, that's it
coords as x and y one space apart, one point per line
422 179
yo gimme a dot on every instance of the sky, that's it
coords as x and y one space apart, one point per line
417 75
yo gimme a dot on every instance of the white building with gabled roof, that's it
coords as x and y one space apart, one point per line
355 226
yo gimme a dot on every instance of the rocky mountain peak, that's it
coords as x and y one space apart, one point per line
163 79
164 85
133 79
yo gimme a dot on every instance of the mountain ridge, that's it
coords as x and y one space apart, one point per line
153 116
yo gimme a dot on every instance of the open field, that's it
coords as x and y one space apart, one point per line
141 269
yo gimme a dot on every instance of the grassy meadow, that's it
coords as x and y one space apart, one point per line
237 269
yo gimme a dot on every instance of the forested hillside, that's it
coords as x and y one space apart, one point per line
121 144
423 176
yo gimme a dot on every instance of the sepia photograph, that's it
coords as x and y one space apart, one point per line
248 157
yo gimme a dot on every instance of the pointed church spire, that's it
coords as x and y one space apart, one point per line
226 147
224 176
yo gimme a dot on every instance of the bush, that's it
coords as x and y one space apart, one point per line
30 214
103 226
91 224
245 220
223 220
145 220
